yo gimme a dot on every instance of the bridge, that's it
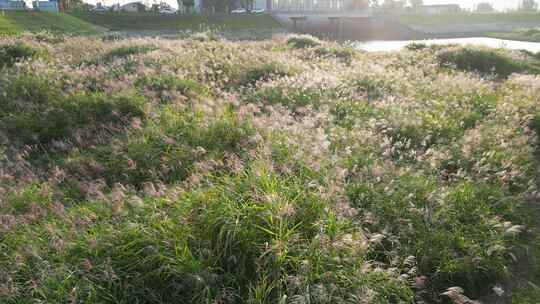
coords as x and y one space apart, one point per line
320 17
341 19
319 6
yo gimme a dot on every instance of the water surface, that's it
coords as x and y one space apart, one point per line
396 45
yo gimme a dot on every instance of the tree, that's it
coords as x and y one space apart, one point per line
374 3
484 7
71 5
187 5
529 5
358 4
63 5
247 4
218 5
393 5
416 3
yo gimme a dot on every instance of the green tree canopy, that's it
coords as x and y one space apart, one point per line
529 5
416 3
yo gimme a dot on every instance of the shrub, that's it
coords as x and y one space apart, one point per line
535 124
113 37
266 72
62 119
533 32
151 264
292 97
32 196
251 237
36 112
483 61
49 37
374 86
12 53
205 36
165 85
128 50
347 113
166 149
344 53
416 46
461 242
443 125
303 41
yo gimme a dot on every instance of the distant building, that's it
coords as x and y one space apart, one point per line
196 8
313 5
133 7
439 9
8 5
199 6
485 7
46 6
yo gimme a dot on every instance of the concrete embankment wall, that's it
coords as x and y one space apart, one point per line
344 26
474 27
357 27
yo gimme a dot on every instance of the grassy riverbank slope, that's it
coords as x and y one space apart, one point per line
532 34
92 23
17 22
153 22
281 171
467 18
519 26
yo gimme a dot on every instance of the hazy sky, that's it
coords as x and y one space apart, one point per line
498 4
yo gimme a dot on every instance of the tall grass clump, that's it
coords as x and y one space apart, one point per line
343 53
36 112
128 50
485 61
13 53
416 46
166 86
303 41
170 149
267 71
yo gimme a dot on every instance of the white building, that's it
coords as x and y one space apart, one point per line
46 6
313 5
257 5
133 7
439 9
12 5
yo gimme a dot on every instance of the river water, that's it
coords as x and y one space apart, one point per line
396 45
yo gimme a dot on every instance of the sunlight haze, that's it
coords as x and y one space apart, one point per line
466 4
498 4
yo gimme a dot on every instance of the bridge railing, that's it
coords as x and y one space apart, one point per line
308 5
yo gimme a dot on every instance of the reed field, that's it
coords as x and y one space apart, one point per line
289 170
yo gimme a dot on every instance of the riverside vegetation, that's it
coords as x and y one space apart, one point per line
281 171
